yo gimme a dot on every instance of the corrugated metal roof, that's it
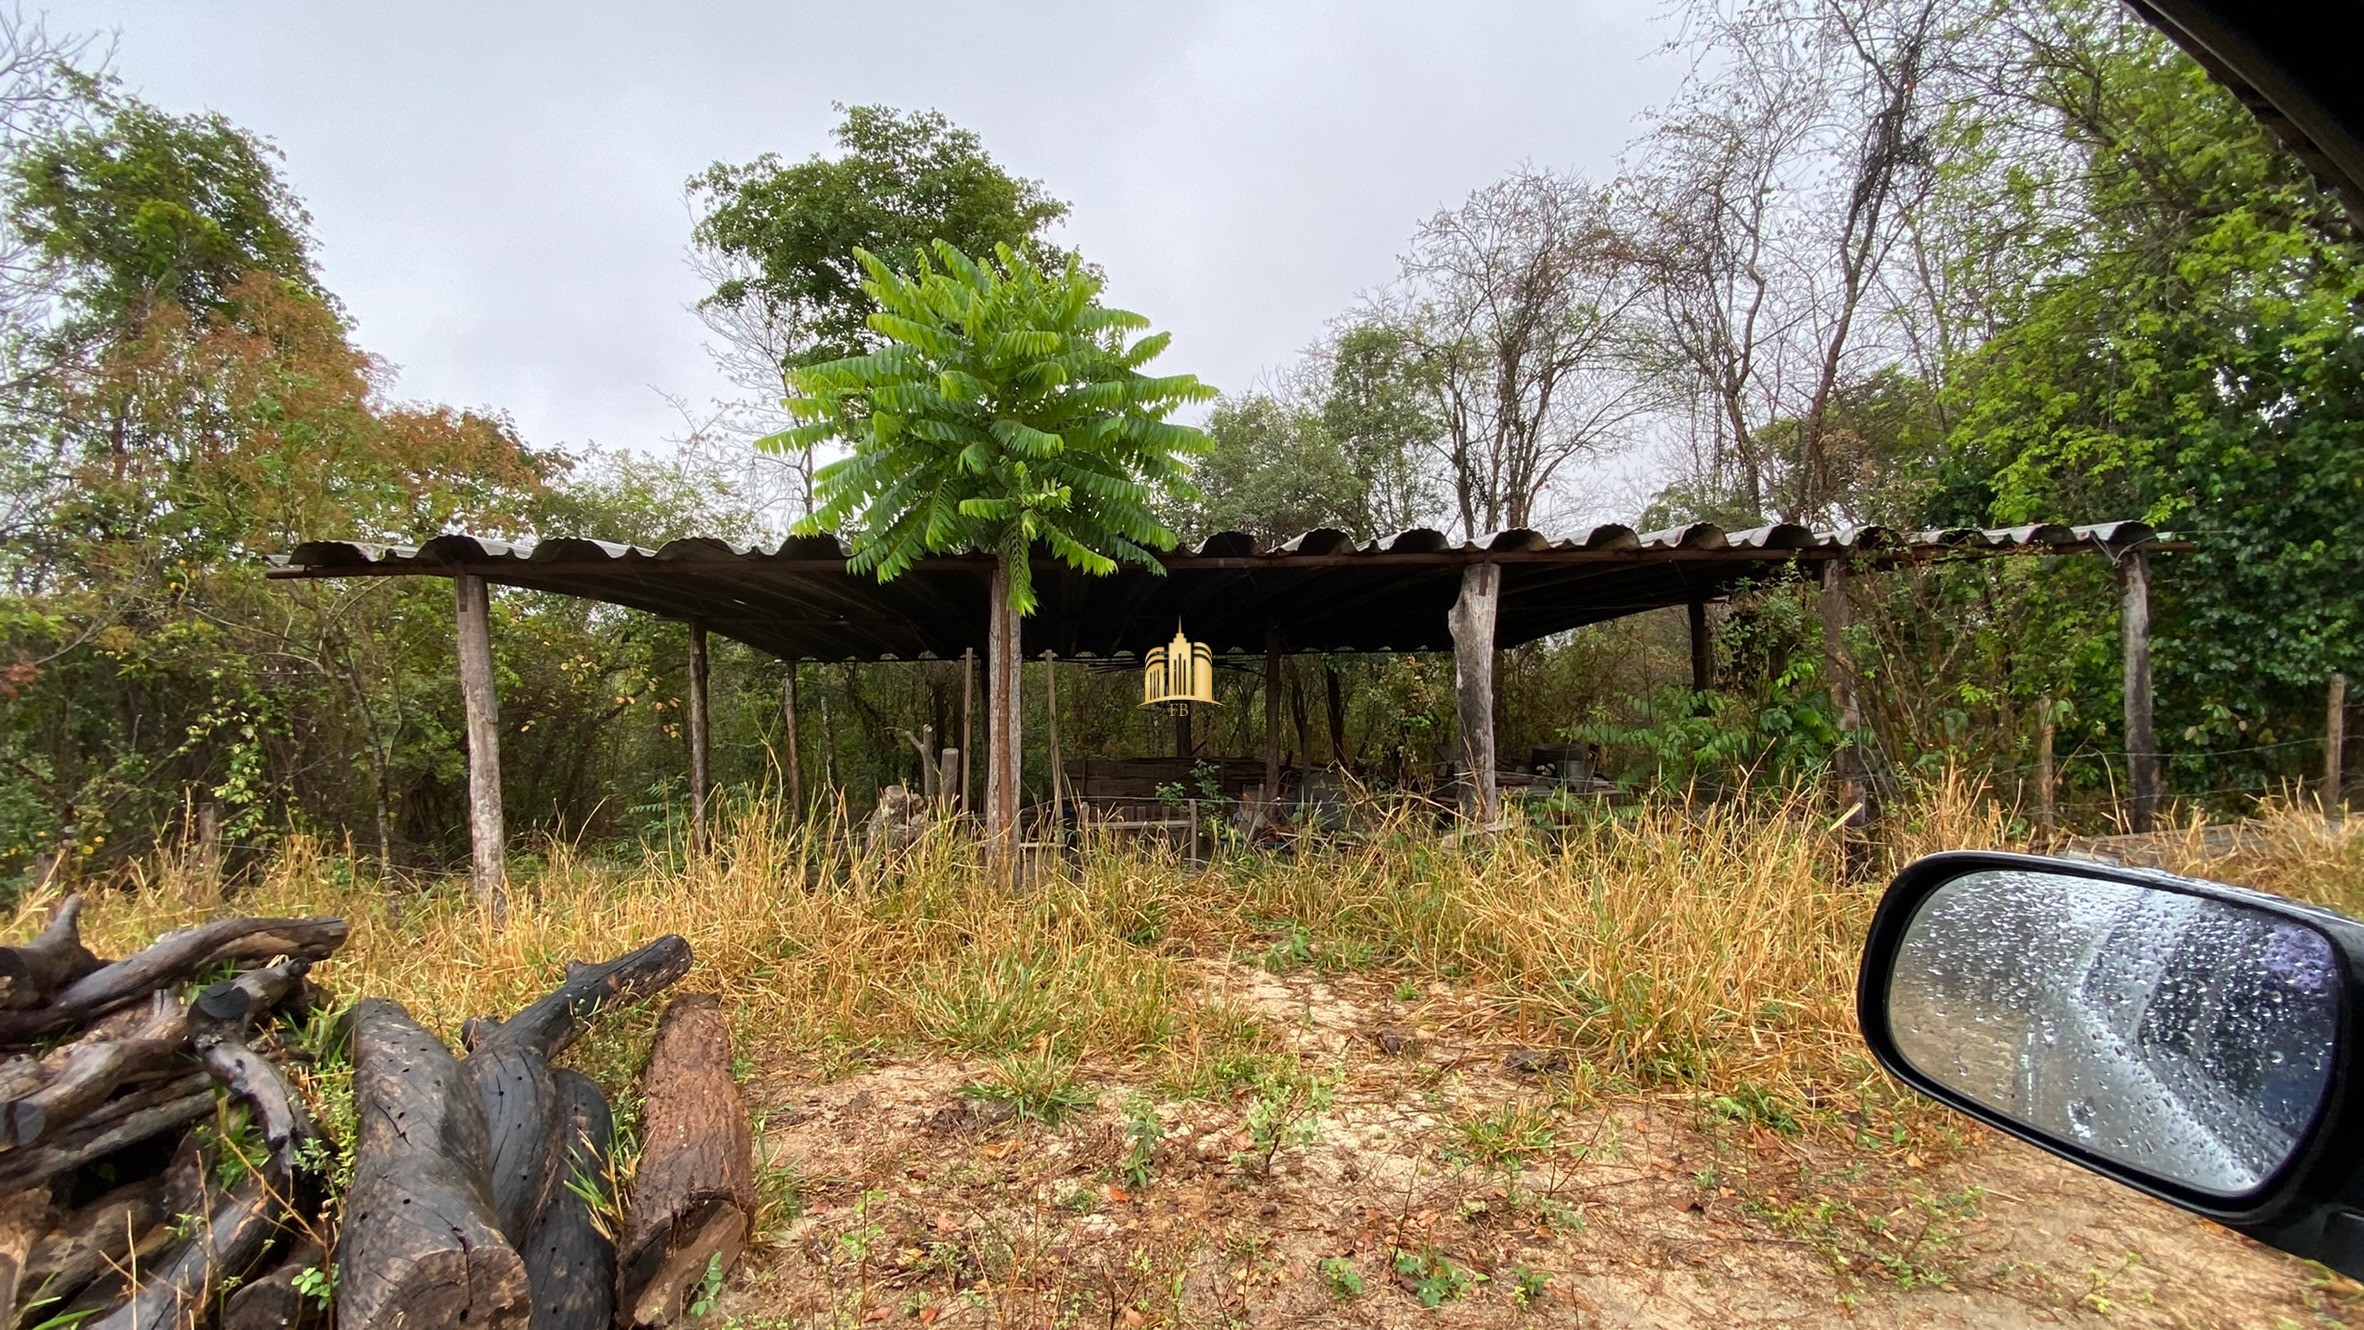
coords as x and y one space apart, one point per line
1323 590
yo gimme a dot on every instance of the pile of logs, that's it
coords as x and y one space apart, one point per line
135 1196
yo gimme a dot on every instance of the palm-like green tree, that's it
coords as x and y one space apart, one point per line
1008 411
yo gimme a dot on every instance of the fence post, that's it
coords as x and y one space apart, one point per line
2142 737
697 734
2047 818
1855 796
2335 737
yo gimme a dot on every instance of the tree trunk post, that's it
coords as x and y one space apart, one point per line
2142 739
1703 650
1472 623
697 734
2335 738
788 730
1184 744
1050 708
1272 721
1839 664
1001 724
486 837
968 702
1334 697
2047 818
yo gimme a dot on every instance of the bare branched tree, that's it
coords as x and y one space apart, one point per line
1518 304
1773 203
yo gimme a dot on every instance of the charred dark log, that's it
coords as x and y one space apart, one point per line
176 1292
420 1246
170 961
273 1301
95 1068
32 972
693 1194
522 1124
570 1264
556 1021
105 1234
253 1078
127 1120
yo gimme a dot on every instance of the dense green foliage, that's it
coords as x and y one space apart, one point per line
2102 292
1007 410
787 234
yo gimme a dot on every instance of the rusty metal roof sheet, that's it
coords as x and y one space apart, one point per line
1323 590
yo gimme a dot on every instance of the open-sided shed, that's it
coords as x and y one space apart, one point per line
1322 592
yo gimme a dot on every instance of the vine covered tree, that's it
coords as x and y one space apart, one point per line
1007 409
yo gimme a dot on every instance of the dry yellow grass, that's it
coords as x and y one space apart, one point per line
1714 943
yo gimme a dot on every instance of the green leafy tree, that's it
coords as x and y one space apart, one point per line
146 208
1273 471
781 237
1007 409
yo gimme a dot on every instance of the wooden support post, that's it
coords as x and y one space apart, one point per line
1002 726
1838 663
1050 706
788 728
2142 738
968 700
1472 623
1297 717
697 734
2047 818
1272 719
1334 695
2335 738
486 838
1184 744
1703 650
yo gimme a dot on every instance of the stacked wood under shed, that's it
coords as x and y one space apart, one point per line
135 1195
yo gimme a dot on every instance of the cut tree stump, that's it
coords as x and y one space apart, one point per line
693 1194
421 1246
34 971
569 1263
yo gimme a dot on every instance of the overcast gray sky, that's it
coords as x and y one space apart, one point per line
496 186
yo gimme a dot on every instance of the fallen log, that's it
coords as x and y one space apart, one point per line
31 972
523 1128
570 1263
273 1301
24 1217
556 1021
509 1066
420 1245
105 1234
171 960
146 1112
693 1194
177 1291
95 1068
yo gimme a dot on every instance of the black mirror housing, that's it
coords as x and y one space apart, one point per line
2311 1204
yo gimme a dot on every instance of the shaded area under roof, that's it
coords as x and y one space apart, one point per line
1325 592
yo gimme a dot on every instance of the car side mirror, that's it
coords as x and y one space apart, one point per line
2191 1040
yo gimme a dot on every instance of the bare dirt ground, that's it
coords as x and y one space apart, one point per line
1428 1170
